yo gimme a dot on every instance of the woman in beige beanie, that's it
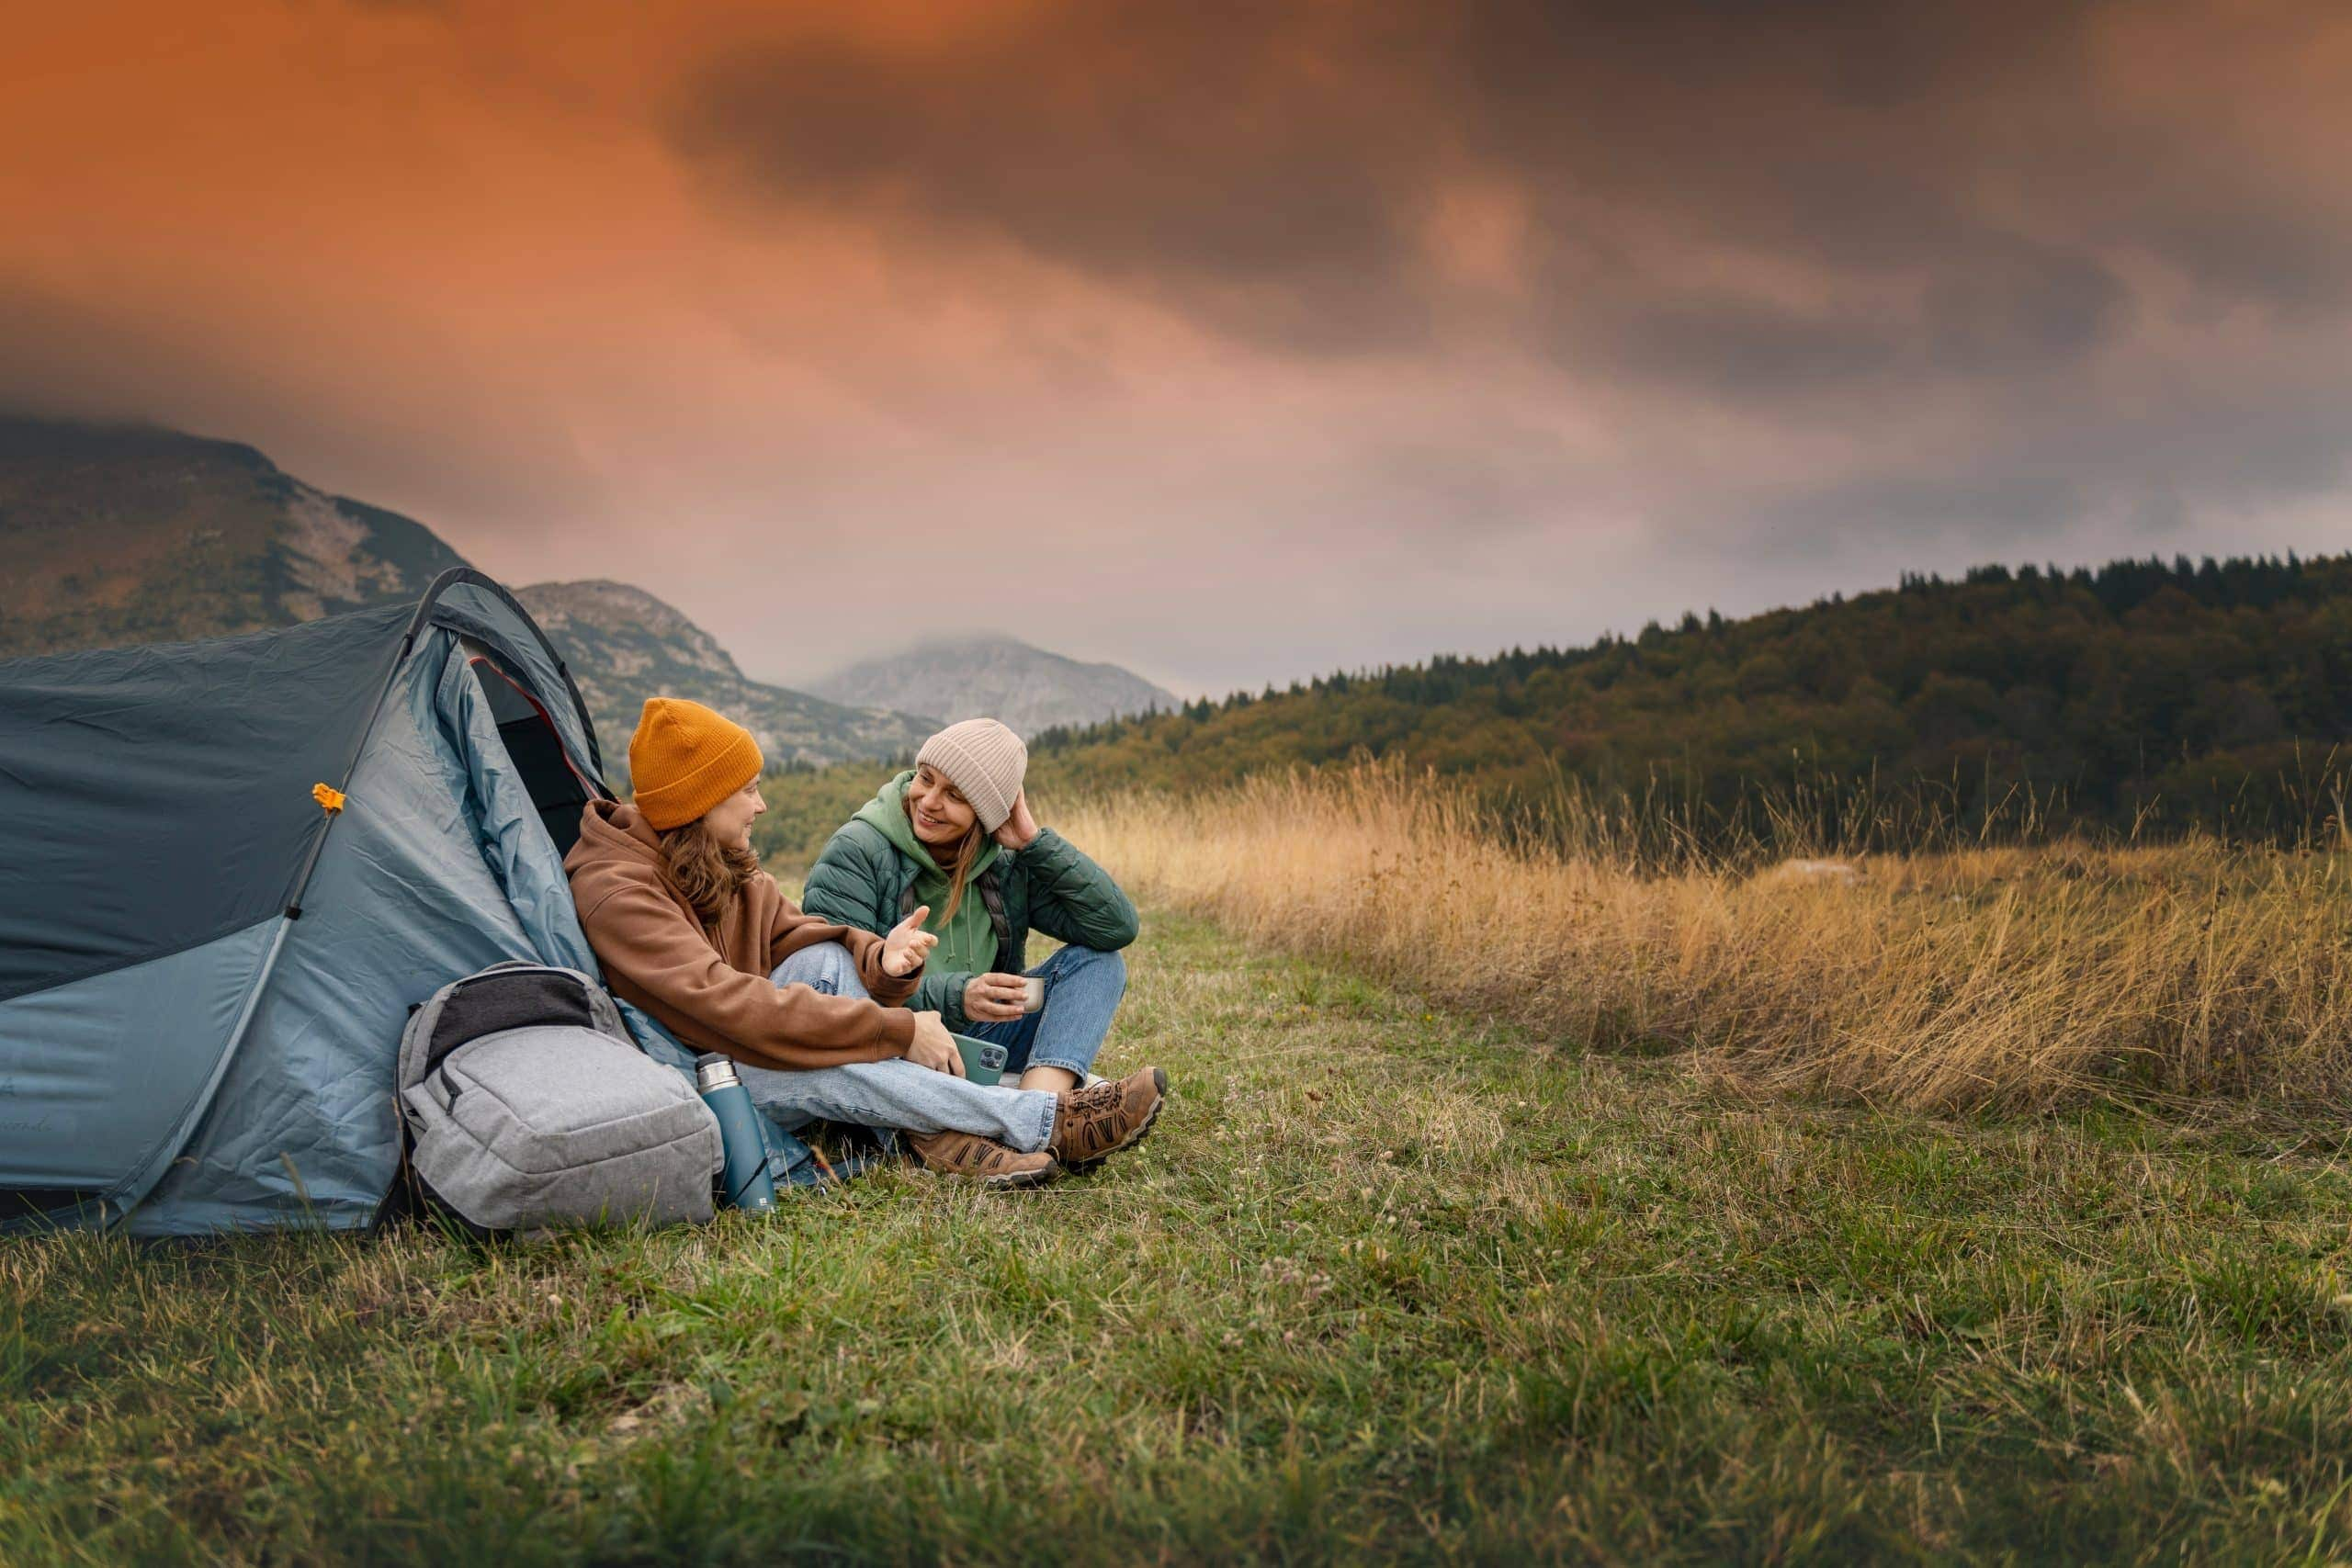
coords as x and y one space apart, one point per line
954 835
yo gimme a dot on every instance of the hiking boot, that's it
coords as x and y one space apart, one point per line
1097 1121
984 1160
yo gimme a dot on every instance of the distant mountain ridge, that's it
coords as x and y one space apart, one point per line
125 534
624 646
113 534
999 677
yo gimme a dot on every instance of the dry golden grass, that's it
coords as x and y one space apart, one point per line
1999 976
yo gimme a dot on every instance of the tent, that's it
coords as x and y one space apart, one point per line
204 961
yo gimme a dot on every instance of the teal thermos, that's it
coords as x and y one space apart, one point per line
748 1184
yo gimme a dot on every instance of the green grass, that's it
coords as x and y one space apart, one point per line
1386 1282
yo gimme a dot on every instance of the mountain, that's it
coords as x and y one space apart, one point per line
128 533
1028 688
624 646
123 534
2141 695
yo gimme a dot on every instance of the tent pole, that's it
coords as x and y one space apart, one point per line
450 577
375 714
441 584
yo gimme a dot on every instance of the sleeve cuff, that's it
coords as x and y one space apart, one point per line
890 991
951 999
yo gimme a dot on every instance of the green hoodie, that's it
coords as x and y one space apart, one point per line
868 872
968 942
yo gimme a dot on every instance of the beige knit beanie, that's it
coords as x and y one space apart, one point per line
984 760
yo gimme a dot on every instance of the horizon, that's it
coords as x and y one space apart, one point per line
1670 621
1673 624
1222 352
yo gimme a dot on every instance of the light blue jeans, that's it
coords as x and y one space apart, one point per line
892 1094
1084 986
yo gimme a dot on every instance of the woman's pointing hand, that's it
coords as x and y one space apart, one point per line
908 945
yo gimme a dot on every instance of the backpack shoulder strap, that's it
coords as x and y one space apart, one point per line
505 996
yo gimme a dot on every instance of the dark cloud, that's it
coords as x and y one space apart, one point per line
2007 491
2272 250
1271 171
1744 349
2004 511
1243 157
1928 230
1365 326
2019 305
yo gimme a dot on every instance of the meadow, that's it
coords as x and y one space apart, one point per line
2000 968
1570 1196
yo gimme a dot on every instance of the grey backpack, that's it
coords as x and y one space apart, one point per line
529 1107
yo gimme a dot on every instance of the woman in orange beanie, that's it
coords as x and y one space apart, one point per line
690 929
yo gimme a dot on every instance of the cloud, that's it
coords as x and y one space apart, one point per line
1954 183
1356 329
1232 155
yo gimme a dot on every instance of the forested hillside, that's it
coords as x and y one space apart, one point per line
2162 692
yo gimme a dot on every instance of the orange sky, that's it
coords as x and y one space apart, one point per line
1232 344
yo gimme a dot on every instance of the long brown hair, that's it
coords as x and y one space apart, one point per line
706 873
960 869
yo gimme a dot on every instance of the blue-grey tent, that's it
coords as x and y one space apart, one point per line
203 970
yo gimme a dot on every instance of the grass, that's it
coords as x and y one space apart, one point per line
1978 975
1391 1280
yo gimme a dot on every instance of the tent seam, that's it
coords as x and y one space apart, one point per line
276 910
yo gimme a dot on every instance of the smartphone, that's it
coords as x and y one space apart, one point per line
983 1060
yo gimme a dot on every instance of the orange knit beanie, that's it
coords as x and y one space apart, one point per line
684 759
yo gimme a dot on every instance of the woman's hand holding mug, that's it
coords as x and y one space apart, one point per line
996 999
908 945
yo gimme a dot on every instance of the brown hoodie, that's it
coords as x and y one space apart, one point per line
719 998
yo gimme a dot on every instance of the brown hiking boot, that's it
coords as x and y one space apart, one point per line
984 1160
1097 1121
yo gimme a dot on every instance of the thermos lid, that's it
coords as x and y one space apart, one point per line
714 1071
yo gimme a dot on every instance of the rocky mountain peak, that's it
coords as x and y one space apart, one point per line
620 612
128 534
120 534
624 645
999 677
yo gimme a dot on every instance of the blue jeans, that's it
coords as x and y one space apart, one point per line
896 1093
1084 986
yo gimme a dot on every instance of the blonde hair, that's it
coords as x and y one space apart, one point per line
706 873
968 849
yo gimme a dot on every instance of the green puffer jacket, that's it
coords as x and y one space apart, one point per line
864 880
